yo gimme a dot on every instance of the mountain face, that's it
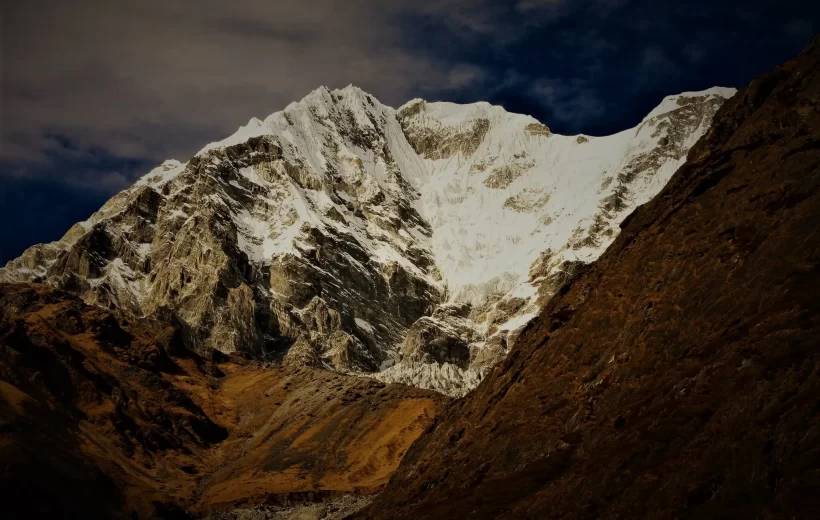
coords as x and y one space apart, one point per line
678 376
341 233
103 418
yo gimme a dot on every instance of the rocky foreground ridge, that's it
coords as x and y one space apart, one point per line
104 418
341 233
678 376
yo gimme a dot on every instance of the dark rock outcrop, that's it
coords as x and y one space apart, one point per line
679 375
434 341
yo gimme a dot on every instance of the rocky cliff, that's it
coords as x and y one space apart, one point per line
678 376
321 235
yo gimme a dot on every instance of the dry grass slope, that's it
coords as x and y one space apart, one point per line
104 418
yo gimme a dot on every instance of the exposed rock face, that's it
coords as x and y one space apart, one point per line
537 129
677 376
446 378
319 236
100 418
253 237
433 341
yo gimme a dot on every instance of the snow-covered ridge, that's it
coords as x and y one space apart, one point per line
343 233
670 103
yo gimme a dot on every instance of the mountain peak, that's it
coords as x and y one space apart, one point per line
341 233
674 102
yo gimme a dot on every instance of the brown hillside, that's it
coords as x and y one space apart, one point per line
101 418
679 376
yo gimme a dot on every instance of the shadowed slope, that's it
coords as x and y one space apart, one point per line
102 418
679 375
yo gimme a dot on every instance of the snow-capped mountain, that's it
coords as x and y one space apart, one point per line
343 233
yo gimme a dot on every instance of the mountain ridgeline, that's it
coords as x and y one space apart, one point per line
341 233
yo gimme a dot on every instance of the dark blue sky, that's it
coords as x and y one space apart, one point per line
94 95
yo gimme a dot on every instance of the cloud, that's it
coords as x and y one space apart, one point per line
694 53
157 79
554 6
114 181
654 68
464 75
150 80
569 101
800 30
559 8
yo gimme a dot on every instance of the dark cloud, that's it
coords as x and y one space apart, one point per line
157 79
694 52
799 30
655 67
568 101
93 93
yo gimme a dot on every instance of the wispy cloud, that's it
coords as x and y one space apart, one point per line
554 7
568 101
655 67
145 81
693 52
157 79
799 29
